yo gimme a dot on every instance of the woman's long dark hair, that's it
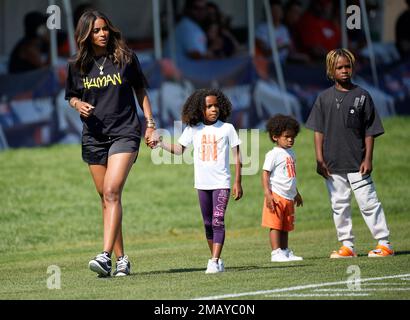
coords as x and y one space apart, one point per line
117 50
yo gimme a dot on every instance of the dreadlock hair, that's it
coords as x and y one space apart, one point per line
331 60
280 123
193 109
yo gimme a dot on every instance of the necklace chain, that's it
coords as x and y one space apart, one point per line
100 66
339 100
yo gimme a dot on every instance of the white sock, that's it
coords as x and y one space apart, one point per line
348 243
385 243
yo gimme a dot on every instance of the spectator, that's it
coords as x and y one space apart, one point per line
217 46
221 42
292 15
282 35
403 33
318 33
32 51
190 38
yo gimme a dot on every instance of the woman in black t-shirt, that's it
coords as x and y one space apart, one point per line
100 83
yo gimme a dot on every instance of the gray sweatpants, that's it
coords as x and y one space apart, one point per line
340 187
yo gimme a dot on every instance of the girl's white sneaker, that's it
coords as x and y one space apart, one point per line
212 267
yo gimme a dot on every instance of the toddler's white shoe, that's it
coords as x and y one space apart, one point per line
278 255
291 256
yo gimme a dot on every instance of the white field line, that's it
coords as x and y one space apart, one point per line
361 290
306 295
296 288
384 284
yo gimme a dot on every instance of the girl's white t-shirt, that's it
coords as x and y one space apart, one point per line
281 163
211 153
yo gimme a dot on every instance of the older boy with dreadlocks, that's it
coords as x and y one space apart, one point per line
345 123
205 113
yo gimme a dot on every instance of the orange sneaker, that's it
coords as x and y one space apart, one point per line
381 251
343 252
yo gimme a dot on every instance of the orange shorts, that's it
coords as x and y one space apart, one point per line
282 217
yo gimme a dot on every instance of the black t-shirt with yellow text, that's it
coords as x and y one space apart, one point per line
115 114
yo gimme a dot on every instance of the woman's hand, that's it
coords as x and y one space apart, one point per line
83 108
149 141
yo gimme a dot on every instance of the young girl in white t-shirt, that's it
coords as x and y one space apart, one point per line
205 113
279 185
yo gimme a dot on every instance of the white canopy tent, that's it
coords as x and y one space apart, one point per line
263 97
157 6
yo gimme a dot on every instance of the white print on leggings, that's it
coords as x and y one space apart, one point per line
220 207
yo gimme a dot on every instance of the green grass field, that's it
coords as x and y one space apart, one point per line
50 215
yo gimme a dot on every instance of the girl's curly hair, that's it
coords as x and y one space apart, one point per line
280 123
194 106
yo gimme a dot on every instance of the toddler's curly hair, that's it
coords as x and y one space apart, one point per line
193 108
280 123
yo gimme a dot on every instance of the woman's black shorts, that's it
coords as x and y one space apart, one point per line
97 150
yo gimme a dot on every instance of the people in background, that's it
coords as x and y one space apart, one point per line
32 51
403 33
282 36
190 37
319 33
221 42
293 12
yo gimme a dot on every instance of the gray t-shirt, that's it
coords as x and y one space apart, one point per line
345 119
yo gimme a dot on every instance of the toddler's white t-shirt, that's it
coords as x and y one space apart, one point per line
281 163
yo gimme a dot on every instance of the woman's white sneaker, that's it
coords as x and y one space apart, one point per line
123 267
101 264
